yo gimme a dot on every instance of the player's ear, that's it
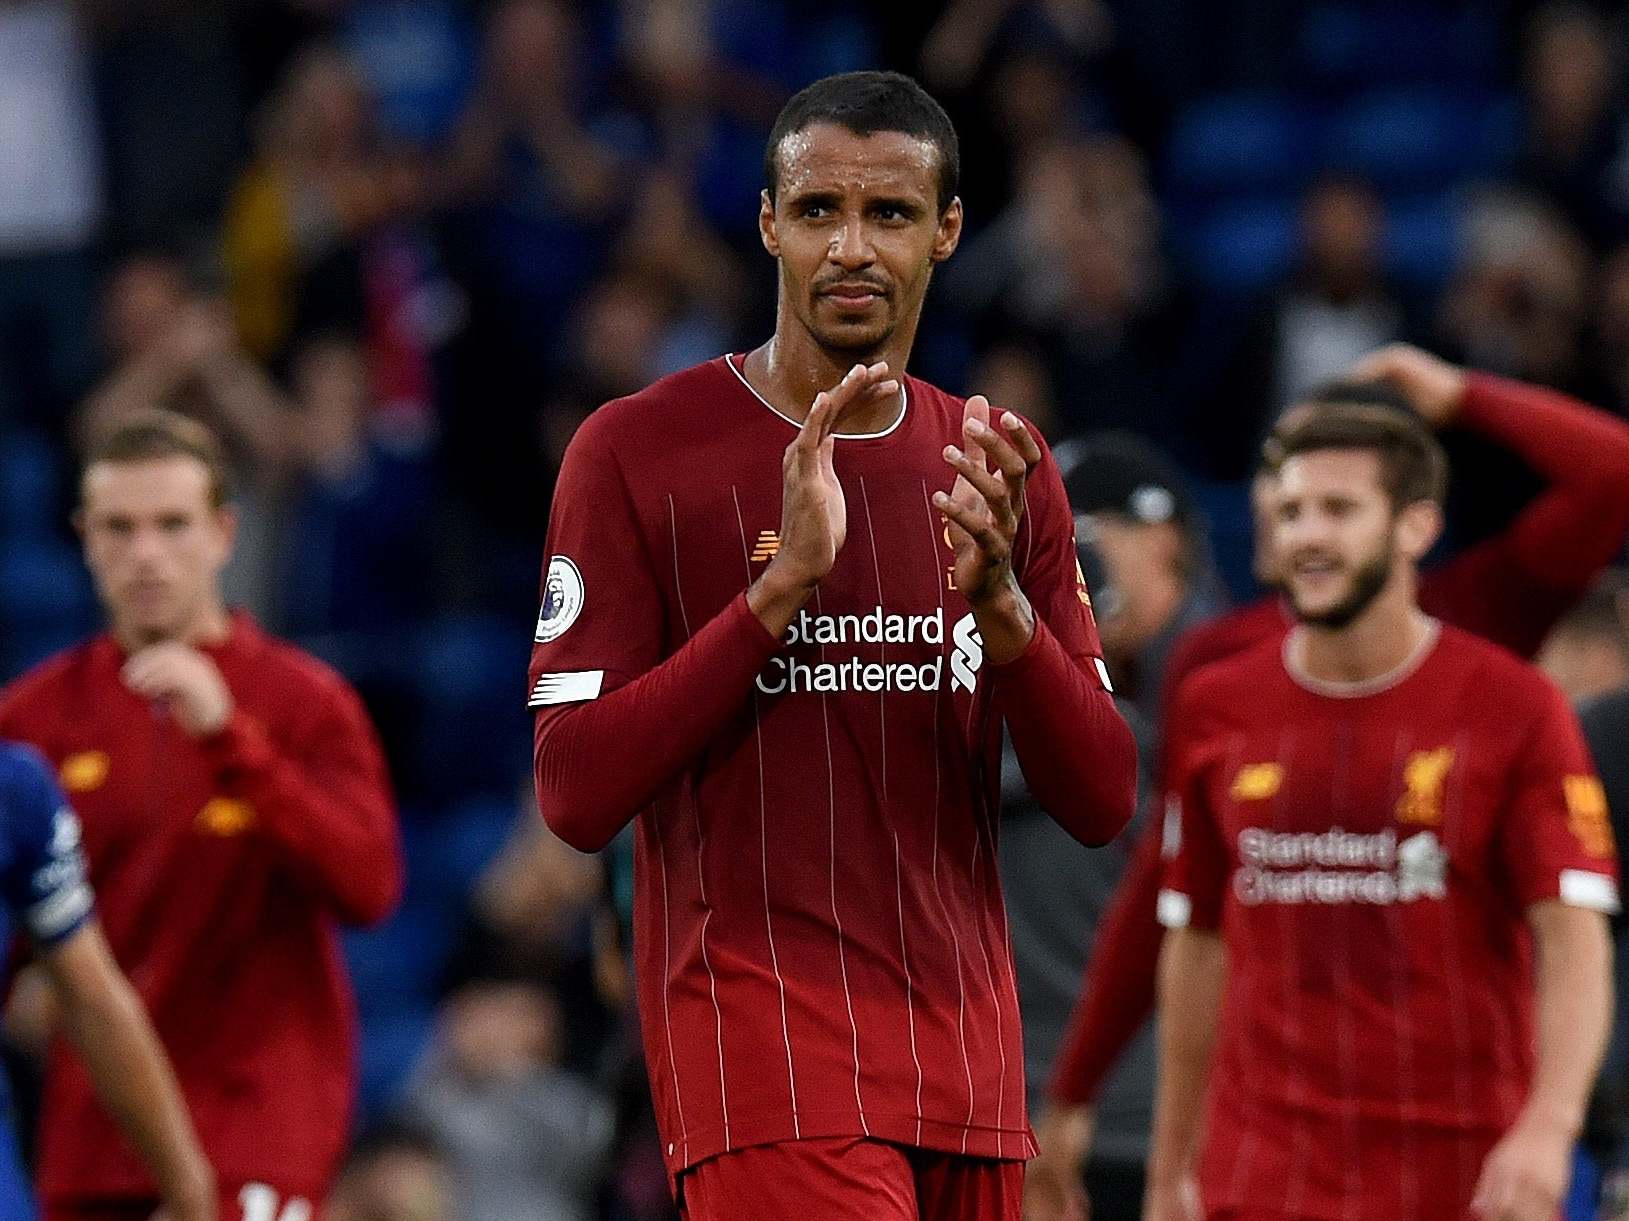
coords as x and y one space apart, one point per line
949 235
766 224
1419 526
226 532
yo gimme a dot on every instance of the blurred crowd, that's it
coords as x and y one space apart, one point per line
395 250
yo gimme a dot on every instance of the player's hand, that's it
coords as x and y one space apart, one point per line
985 505
1432 386
184 681
1172 1200
1052 1183
1527 1174
814 514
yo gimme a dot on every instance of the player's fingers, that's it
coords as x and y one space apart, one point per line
999 450
987 483
882 391
977 525
815 427
1023 440
978 408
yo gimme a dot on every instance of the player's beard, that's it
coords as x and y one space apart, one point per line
1368 579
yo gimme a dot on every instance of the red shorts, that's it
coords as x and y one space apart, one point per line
850 1179
238 1202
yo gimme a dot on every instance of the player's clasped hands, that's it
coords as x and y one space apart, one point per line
986 503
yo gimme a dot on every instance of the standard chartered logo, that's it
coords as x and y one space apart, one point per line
1339 866
791 673
969 654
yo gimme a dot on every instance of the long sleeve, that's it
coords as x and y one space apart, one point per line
1078 755
599 762
1077 752
617 718
1512 588
325 802
1118 987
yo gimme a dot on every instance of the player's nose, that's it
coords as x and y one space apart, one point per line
851 246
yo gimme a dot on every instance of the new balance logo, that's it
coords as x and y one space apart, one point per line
767 546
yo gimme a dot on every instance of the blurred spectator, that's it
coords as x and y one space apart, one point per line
540 184
525 1137
1338 305
1075 262
175 348
356 517
1609 332
1131 504
314 186
1013 375
394 1173
172 111
1573 150
1587 652
1516 304
50 203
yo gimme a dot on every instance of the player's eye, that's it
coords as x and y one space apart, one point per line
173 524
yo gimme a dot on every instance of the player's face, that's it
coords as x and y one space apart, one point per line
856 227
1335 534
154 543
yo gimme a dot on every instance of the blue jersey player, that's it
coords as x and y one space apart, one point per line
45 894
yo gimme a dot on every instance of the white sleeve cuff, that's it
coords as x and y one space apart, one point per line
1583 888
1175 909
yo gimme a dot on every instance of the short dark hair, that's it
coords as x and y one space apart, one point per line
866 103
153 433
1412 465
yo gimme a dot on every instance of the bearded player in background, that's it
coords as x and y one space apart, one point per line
791 597
1386 986
1510 588
236 811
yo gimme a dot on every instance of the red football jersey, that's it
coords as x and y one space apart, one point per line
1368 854
1510 589
221 869
820 938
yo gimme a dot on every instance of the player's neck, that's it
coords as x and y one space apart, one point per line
792 368
1383 640
210 626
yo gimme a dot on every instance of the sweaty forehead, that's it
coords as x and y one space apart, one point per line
829 157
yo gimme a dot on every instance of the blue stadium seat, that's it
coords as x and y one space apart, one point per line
1422 239
28 485
392 1044
1344 45
447 855
1237 142
474 738
1244 248
1407 139
403 960
43 581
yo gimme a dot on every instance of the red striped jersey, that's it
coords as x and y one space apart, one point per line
1368 854
821 944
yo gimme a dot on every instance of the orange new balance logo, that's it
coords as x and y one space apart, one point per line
767 546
